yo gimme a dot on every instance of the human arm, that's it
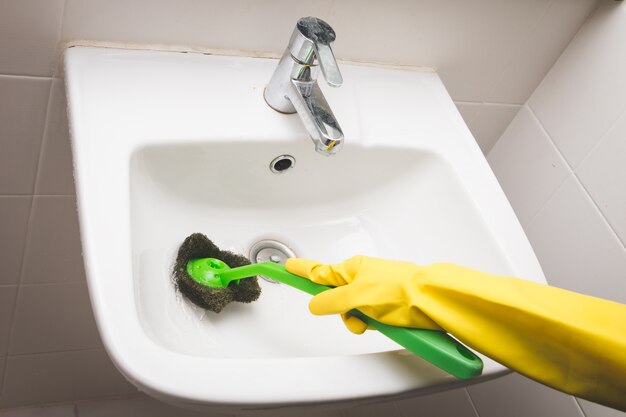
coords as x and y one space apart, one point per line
572 342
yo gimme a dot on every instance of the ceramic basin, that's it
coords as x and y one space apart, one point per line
167 144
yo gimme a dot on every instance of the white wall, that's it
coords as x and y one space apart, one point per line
562 164
490 53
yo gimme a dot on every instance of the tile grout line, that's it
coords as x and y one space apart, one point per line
43 138
573 38
52 352
37 195
396 407
73 403
471 401
558 151
76 403
488 103
574 175
580 409
53 195
26 77
54 283
600 212
58 64
603 137
582 162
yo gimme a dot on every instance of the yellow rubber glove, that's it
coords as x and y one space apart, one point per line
568 341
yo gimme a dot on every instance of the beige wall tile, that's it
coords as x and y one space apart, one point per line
580 99
302 412
23 104
55 169
2 366
585 92
53 318
238 24
449 403
456 38
487 121
59 377
596 410
8 295
53 248
387 409
603 174
66 410
527 165
517 396
473 44
14 214
533 56
29 31
576 247
140 406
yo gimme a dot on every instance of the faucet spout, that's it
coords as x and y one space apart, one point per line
294 88
317 117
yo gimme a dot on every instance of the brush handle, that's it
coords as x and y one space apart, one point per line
435 346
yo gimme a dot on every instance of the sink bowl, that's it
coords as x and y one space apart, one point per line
323 208
168 144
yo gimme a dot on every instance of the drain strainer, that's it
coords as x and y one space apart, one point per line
282 163
270 251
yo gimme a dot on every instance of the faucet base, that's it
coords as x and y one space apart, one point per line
284 108
275 93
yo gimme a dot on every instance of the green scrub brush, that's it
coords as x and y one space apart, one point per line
214 299
210 280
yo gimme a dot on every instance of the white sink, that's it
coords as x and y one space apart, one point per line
167 144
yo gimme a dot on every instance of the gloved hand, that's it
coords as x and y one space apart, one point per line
571 342
384 290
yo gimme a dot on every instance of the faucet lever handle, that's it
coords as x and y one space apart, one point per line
328 64
312 39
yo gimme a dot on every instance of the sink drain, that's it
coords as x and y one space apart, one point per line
270 251
282 163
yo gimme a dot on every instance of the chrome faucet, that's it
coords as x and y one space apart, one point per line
293 87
